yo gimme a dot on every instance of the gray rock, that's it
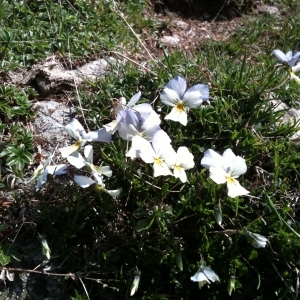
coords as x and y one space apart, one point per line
49 123
170 40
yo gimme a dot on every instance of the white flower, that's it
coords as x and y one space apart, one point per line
256 240
144 123
85 182
205 275
293 76
156 153
135 283
290 60
135 123
75 130
175 94
44 169
180 161
287 58
79 162
226 168
113 126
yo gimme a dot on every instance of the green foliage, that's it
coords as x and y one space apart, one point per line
31 29
17 141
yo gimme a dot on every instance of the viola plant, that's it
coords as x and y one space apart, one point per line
85 182
77 160
225 169
180 161
205 275
289 60
138 196
42 171
256 240
75 130
175 94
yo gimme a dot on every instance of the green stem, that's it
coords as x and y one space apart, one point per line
274 210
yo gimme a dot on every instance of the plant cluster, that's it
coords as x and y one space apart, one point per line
140 125
137 207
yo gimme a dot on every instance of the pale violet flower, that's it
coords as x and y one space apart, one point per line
77 160
287 58
290 60
135 123
143 123
113 126
175 94
225 169
123 105
156 152
44 169
85 182
180 161
75 130
256 240
205 275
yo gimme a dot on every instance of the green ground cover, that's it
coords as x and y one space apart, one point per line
158 229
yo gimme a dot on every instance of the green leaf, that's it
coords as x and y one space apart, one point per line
253 255
4 259
143 224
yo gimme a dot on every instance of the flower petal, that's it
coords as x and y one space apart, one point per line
256 240
83 181
74 129
195 95
134 99
178 84
238 167
235 189
185 157
293 59
144 148
180 173
100 135
41 180
113 193
161 169
89 153
211 159
57 169
112 127
160 138
296 68
280 55
217 174
77 162
210 274
105 170
295 77
177 116
66 151
169 97
228 158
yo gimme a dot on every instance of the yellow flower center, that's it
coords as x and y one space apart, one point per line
77 144
177 167
230 179
180 106
158 161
